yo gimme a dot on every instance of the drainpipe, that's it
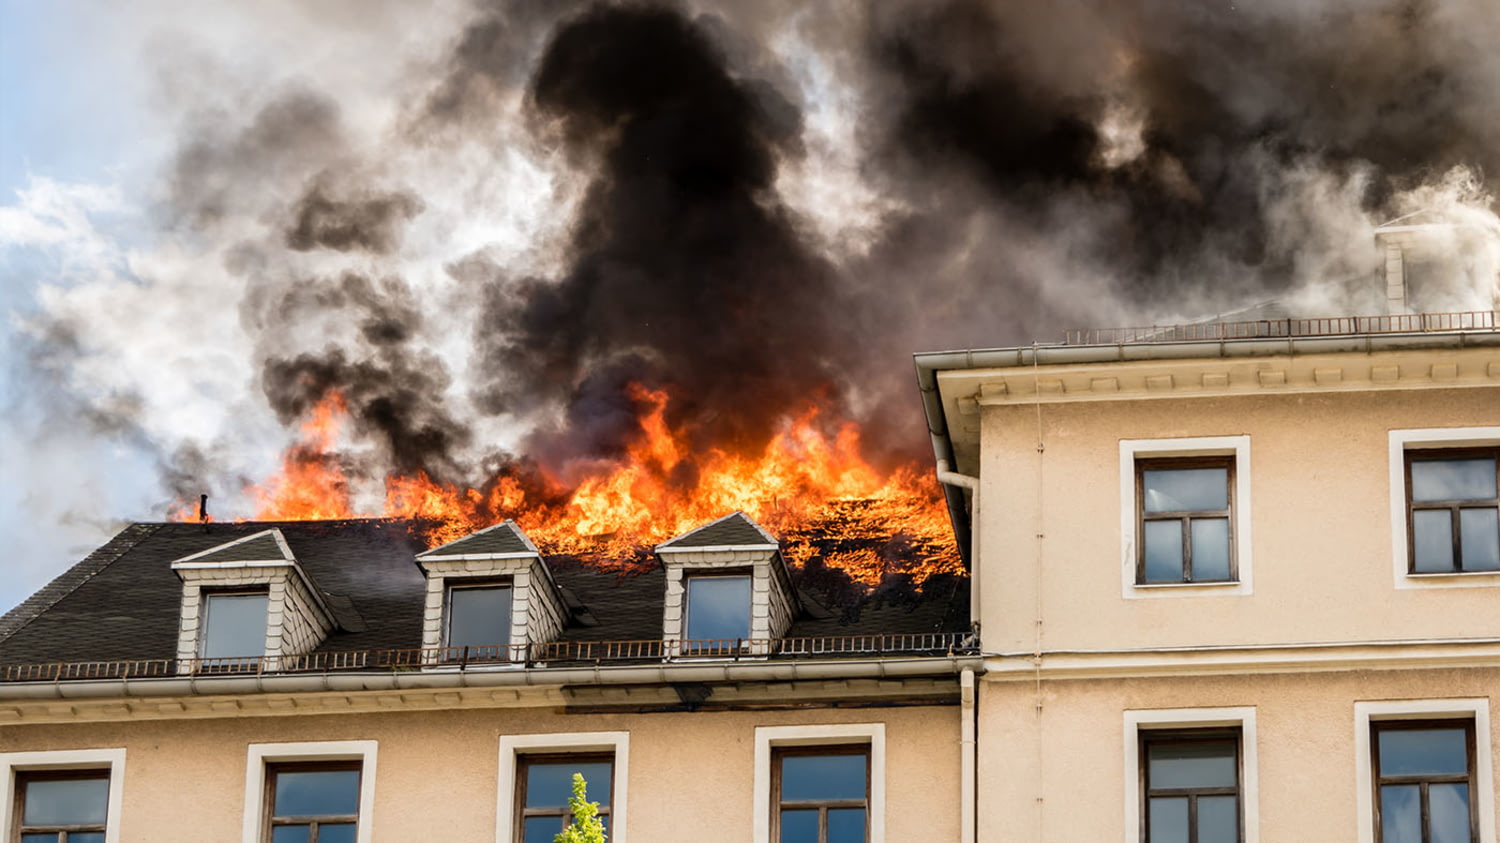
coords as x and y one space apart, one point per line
968 777
964 481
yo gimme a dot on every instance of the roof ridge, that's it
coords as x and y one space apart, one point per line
67 582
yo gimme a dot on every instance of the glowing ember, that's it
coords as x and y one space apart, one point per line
813 489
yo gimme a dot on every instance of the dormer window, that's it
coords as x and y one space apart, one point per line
728 590
718 607
234 625
489 597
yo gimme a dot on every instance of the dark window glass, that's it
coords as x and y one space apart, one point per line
718 608
234 625
1185 520
56 801
479 616
1453 507
1192 786
1424 778
821 794
314 802
546 784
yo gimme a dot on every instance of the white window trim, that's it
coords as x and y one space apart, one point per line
512 747
1402 441
770 737
1203 446
261 754
113 760
1484 784
1192 718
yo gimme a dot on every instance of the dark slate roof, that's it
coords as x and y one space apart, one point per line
733 530
504 537
262 547
122 602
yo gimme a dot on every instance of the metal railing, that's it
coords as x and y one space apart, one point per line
1404 323
539 655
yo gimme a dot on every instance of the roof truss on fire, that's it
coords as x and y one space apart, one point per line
734 531
500 541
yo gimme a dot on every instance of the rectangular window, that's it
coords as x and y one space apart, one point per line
1185 520
479 619
1190 784
544 784
1453 510
717 610
233 625
821 794
61 806
1423 774
315 802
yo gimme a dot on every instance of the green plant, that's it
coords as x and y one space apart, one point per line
586 826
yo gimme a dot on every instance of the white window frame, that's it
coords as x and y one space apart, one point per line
1132 450
1145 720
1429 439
112 760
1477 709
260 755
768 738
512 747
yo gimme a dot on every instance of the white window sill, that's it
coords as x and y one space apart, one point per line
1189 589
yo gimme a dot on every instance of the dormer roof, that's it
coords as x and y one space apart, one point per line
734 531
501 541
267 547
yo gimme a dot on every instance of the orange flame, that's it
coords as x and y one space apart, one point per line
811 488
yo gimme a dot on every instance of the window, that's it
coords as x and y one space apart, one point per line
1191 786
545 784
819 784
536 779
1186 510
1453 510
233 625
822 794
320 792
479 617
64 795
62 806
1185 517
1424 781
718 608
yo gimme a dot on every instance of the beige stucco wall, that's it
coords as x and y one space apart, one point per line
690 773
1058 774
1320 521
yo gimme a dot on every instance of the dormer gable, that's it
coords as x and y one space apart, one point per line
489 596
233 590
726 581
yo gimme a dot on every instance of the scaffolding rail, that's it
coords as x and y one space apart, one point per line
538 655
1401 323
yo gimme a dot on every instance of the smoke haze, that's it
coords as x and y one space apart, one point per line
482 223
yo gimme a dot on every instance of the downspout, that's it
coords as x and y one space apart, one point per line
968 777
964 481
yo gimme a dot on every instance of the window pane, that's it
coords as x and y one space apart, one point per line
1163 551
718 607
39 838
478 616
1169 820
846 825
1432 540
235 625
1210 549
1423 752
550 784
291 834
86 837
336 833
1449 807
1181 489
542 829
314 793
822 777
799 827
1218 819
1479 535
1453 480
1400 814
1192 764
66 802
